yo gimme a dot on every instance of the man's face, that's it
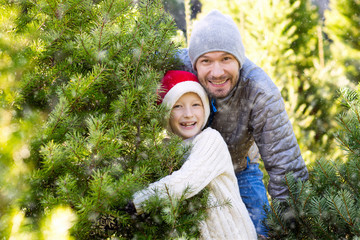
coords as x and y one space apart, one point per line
218 72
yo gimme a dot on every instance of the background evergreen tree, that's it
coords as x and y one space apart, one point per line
342 21
177 9
95 70
14 132
327 206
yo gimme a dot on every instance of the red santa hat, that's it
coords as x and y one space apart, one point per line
176 83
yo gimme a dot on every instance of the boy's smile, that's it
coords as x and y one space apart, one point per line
187 115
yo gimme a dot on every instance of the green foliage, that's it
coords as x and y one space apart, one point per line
94 68
342 26
179 215
14 132
326 206
78 78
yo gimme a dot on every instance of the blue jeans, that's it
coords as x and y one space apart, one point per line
253 193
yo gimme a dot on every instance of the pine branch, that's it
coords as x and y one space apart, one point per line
128 43
346 179
138 139
52 8
103 24
277 216
344 124
95 126
76 99
350 222
138 63
83 45
306 199
292 197
122 10
63 111
71 148
323 170
99 192
344 144
321 227
73 6
173 208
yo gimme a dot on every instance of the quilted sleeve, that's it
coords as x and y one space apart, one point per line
274 136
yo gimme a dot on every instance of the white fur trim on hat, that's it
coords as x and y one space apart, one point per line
184 87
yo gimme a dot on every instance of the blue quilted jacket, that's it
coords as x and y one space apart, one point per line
253 122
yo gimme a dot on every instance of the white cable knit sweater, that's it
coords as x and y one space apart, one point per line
209 165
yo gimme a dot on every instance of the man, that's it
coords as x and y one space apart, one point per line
248 111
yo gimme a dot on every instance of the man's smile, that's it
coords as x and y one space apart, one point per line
218 82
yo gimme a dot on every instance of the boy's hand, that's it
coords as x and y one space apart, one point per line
130 208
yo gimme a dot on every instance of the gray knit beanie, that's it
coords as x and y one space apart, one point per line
216 32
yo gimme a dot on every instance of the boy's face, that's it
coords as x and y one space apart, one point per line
187 115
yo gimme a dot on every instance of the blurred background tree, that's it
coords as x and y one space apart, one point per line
15 133
182 11
342 24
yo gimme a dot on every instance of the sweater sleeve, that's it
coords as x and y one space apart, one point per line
206 161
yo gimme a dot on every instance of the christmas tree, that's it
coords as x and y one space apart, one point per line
96 68
327 206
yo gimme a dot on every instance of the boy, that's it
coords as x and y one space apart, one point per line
208 165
